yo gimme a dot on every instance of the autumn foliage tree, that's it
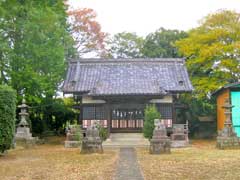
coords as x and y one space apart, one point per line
86 32
213 51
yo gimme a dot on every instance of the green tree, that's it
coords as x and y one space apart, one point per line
150 113
5 47
126 45
59 113
213 51
37 42
160 44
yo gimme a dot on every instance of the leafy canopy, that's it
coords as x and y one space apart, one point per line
36 43
126 45
213 52
86 31
160 44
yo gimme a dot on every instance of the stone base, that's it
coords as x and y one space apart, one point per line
91 147
228 143
178 144
179 137
160 146
72 144
23 133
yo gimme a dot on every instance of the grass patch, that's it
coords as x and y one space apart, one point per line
200 161
53 161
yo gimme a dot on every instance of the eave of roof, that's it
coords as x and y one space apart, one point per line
227 86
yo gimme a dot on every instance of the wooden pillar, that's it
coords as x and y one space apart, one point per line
174 115
108 111
81 111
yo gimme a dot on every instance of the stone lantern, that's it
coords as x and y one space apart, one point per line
227 138
228 130
23 130
23 114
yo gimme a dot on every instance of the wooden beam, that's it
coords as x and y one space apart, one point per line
128 98
81 112
174 115
108 111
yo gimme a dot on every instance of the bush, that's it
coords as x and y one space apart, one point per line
103 133
150 113
78 132
7 117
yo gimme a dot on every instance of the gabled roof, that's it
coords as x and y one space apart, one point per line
227 86
104 77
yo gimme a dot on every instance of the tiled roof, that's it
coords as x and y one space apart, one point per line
127 76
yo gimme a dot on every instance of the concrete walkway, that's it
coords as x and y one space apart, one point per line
128 168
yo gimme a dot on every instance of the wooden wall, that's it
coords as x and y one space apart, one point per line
220 111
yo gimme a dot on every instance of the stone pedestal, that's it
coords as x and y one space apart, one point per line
228 142
160 143
92 143
74 137
179 137
23 132
227 138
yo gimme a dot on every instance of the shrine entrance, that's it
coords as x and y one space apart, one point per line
128 119
122 117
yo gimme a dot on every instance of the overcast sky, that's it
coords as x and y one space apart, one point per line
145 16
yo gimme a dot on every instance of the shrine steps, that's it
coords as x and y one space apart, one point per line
119 140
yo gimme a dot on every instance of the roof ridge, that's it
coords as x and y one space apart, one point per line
123 60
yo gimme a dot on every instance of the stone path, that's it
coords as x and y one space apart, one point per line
128 168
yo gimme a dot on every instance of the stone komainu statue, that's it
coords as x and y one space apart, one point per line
92 143
73 136
160 142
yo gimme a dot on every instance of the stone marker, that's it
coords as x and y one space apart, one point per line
23 135
73 136
92 143
160 142
179 137
227 138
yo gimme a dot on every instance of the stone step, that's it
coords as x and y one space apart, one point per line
108 142
126 140
122 135
118 140
115 144
129 140
129 137
125 146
